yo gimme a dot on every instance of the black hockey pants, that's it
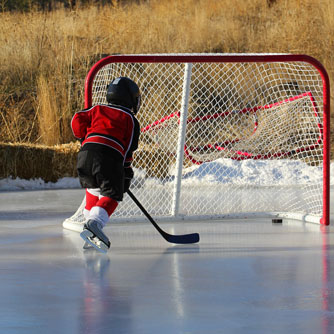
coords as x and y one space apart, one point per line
100 167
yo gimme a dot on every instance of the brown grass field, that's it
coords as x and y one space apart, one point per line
45 57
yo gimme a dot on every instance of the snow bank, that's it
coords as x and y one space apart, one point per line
20 184
255 172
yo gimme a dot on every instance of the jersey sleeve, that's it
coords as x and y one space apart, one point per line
80 122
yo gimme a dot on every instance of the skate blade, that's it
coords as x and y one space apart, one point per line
89 238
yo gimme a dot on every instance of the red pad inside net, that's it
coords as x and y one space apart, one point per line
277 130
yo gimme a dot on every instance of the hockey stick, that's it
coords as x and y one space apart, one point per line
175 239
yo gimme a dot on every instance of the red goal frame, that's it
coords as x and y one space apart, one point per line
238 58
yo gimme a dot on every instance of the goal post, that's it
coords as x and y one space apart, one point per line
226 135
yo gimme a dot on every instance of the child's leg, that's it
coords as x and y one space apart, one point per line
92 197
103 209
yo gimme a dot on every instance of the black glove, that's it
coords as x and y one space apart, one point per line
128 176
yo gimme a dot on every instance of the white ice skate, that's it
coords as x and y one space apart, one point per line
92 235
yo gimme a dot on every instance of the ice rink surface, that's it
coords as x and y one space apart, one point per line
243 277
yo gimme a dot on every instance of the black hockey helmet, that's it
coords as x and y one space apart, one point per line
124 92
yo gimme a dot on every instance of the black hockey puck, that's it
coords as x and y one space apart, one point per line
277 221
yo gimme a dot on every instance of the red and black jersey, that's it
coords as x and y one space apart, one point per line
109 125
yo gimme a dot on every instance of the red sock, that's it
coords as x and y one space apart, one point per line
107 204
91 200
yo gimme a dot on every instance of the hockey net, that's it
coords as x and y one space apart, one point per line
225 135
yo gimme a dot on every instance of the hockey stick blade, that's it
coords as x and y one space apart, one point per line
175 239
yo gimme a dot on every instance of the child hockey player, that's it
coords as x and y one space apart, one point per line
109 135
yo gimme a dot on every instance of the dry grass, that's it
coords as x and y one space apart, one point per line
44 57
47 112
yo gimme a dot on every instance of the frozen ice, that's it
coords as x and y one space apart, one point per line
245 276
